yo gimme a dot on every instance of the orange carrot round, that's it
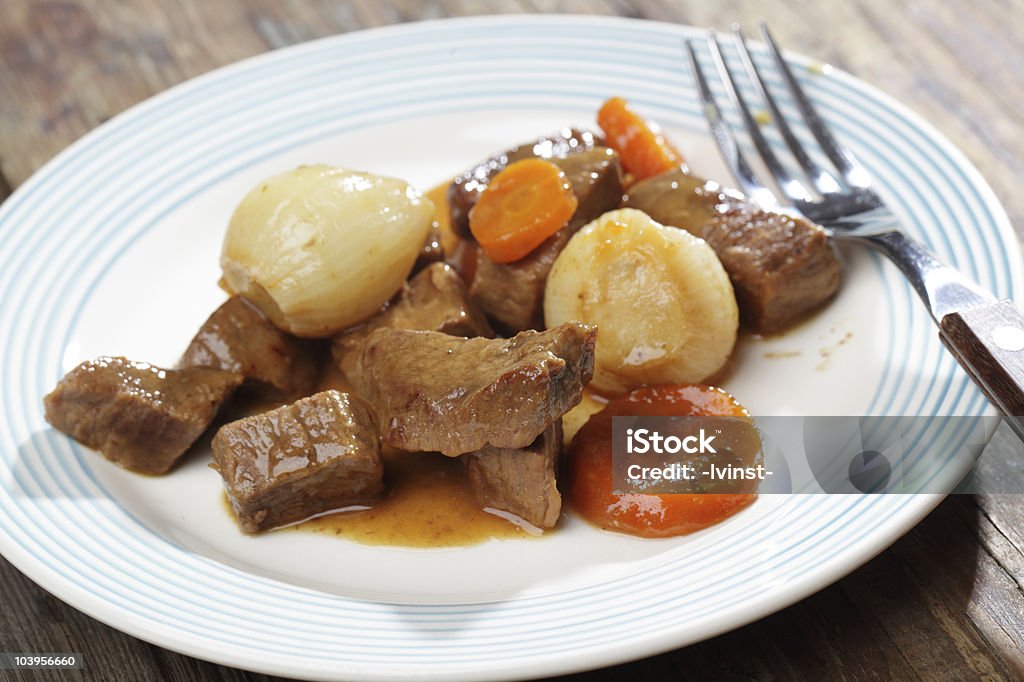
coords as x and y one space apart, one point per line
642 148
523 205
590 470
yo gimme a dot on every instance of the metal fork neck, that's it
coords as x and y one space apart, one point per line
943 289
857 222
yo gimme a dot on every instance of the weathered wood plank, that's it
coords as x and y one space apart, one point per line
1002 501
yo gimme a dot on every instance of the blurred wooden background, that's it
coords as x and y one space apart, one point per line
944 602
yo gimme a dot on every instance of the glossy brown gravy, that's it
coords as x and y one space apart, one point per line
428 504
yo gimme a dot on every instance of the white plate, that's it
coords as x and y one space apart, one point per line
112 249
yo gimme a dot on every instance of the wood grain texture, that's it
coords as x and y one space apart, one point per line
945 602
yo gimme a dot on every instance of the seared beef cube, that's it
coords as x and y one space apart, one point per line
596 179
439 393
435 300
315 455
520 481
781 267
676 198
466 188
137 415
512 294
237 337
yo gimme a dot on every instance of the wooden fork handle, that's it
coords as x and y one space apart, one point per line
988 341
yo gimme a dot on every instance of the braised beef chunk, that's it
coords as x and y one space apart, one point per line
781 267
435 300
466 188
520 481
238 338
440 393
596 179
314 455
512 294
137 415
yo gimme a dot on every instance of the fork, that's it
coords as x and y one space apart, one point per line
984 334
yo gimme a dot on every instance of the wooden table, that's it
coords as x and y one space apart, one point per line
946 601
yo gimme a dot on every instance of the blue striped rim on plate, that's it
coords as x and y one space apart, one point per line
64 228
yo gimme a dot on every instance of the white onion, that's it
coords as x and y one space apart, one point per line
320 248
663 305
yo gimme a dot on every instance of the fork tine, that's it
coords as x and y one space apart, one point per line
791 187
723 137
839 155
823 181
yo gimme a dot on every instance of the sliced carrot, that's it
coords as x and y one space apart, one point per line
591 480
644 151
523 205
